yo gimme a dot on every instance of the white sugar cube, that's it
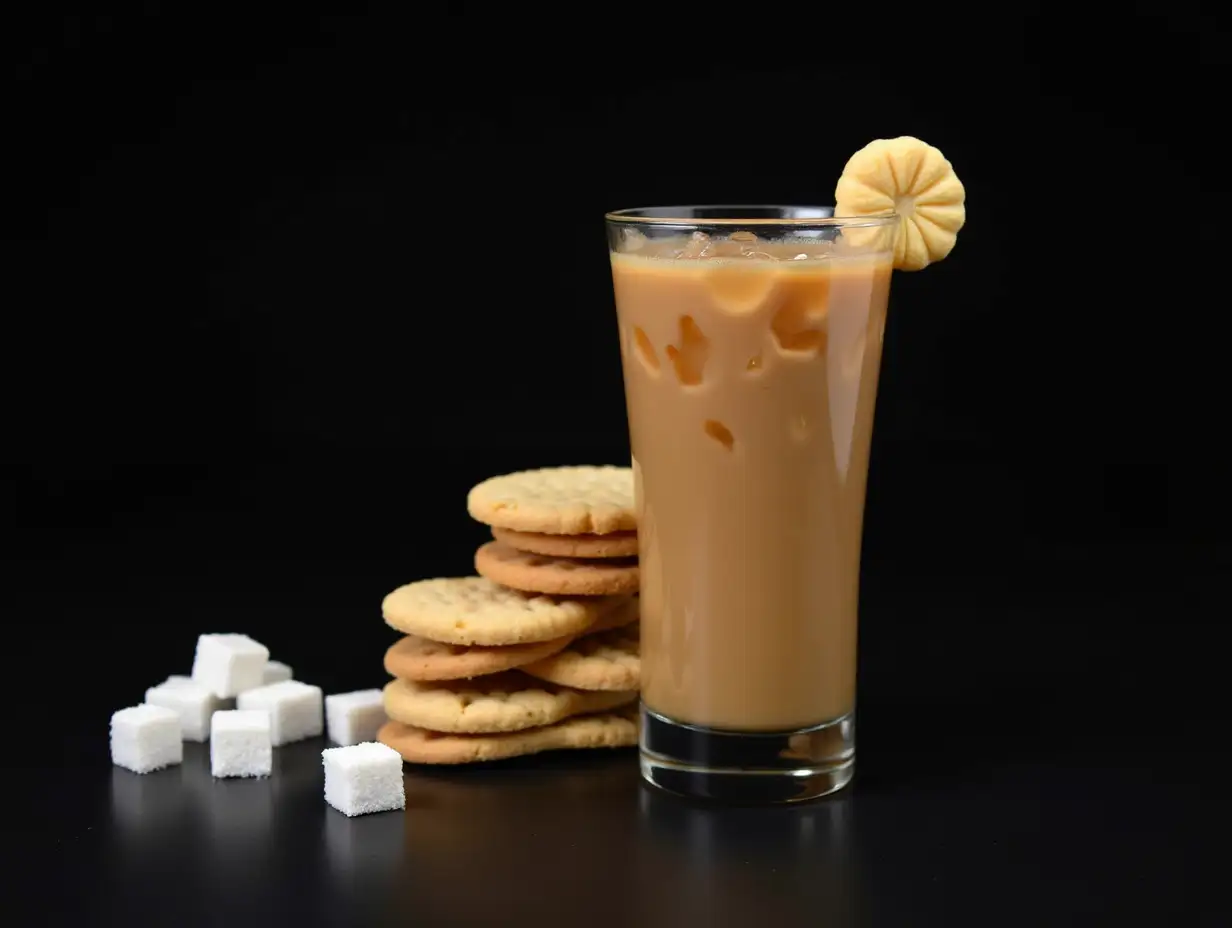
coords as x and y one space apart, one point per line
240 744
229 664
192 701
354 717
228 703
294 709
276 672
363 778
145 738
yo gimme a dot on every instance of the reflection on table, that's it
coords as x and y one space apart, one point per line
530 841
712 865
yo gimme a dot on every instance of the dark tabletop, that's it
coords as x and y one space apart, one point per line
1024 759
1025 842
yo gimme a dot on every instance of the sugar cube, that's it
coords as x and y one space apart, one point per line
192 701
354 717
276 672
363 778
229 664
294 709
240 744
145 738
228 703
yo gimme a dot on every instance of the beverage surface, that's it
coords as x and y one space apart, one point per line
751 375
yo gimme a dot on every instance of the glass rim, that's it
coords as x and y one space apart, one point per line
685 217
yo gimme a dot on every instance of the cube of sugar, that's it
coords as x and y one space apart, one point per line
228 703
354 717
145 738
193 702
294 708
363 778
229 664
276 672
240 744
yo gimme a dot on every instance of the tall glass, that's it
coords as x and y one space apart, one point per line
751 344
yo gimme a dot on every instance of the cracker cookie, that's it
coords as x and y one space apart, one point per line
606 661
557 501
608 730
473 610
509 701
617 544
415 658
627 611
559 576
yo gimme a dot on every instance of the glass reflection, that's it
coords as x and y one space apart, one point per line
713 865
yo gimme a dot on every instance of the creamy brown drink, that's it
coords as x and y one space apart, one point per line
750 339
751 374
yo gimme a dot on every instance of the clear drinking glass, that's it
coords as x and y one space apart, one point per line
751 343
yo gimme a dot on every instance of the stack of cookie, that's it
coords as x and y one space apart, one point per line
540 651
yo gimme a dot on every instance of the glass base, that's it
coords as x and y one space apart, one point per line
748 767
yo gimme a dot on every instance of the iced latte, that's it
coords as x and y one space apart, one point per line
751 344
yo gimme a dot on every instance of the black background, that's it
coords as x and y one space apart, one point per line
269 313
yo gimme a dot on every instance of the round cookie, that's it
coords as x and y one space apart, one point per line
415 658
606 661
627 611
617 544
508 701
474 610
419 746
558 576
557 501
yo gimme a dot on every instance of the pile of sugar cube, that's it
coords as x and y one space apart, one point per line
246 705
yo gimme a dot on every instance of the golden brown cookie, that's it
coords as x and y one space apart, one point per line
419 746
558 576
608 660
509 701
474 610
617 544
557 501
415 658
627 611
